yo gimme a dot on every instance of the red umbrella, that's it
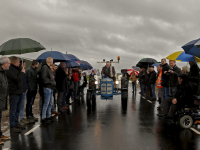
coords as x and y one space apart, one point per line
130 71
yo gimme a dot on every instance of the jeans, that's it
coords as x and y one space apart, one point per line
134 87
75 89
153 91
144 89
48 97
21 113
81 89
64 99
166 92
53 108
30 101
0 123
172 91
15 105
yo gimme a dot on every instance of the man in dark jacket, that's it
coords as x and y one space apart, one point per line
48 86
152 81
60 84
142 75
32 89
165 78
193 77
16 91
173 73
4 65
182 97
107 71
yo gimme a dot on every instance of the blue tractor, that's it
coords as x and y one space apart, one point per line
106 88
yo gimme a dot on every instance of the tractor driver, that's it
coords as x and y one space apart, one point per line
108 71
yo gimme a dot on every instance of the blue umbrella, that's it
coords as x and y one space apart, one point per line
72 57
57 56
192 48
84 65
72 64
156 64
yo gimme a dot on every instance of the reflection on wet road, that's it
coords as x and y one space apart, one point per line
109 127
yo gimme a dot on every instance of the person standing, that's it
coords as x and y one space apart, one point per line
21 113
160 87
173 73
70 87
32 89
61 85
48 86
152 81
83 83
16 91
134 79
4 65
76 81
142 79
165 78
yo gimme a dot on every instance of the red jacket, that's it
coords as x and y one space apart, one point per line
75 76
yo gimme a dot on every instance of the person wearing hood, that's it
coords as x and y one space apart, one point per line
182 97
4 65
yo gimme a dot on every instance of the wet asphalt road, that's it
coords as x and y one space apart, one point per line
108 127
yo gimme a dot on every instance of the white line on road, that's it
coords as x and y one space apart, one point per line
197 132
6 149
149 101
27 133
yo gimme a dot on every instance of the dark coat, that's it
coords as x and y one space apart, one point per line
3 89
47 77
60 80
106 71
142 77
32 78
173 77
165 77
152 77
193 75
15 80
85 81
184 94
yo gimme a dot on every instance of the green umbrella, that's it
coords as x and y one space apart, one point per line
20 46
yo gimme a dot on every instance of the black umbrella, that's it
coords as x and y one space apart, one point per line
145 62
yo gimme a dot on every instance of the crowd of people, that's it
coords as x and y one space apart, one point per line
176 87
55 83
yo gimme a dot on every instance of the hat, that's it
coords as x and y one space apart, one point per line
183 76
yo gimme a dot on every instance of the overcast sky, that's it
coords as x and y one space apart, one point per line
94 30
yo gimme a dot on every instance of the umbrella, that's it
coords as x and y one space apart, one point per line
84 65
72 57
136 68
148 61
20 46
57 56
130 71
192 47
156 64
72 64
182 56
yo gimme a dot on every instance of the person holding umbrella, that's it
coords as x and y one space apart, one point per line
16 91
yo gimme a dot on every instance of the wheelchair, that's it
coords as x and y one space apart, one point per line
187 116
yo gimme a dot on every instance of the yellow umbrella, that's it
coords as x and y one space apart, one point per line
182 56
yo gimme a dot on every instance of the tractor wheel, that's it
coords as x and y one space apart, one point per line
124 97
88 98
93 101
